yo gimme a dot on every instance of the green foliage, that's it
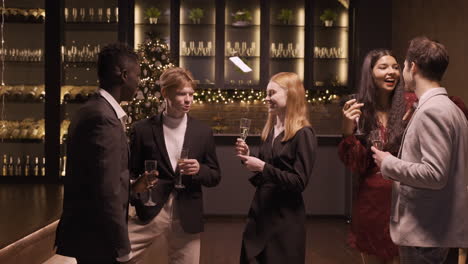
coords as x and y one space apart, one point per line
152 12
196 14
328 14
285 15
242 15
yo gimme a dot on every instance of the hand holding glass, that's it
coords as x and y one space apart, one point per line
359 125
183 156
150 171
244 128
376 139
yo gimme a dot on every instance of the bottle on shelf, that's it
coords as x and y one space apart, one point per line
32 94
27 167
11 167
5 166
18 169
36 166
42 96
64 166
43 167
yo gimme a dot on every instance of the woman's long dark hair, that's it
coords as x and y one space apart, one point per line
367 94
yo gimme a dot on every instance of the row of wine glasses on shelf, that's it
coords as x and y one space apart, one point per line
328 53
289 52
101 15
24 55
24 166
201 50
85 53
240 49
73 53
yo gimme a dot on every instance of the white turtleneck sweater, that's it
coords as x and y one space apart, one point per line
174 133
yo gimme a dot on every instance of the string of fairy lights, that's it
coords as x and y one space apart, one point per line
2 58
218 96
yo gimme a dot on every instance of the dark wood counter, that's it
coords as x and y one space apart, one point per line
26 208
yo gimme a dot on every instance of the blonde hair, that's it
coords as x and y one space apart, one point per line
176 77
296 107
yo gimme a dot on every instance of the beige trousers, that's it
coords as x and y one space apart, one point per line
183 248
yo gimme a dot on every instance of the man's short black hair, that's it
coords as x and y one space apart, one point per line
111 58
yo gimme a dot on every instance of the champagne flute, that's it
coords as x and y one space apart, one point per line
375 137
150 170
183 156
244 127
359 125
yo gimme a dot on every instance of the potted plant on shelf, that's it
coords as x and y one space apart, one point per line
328 17
153 13
196 14
285 16
242 18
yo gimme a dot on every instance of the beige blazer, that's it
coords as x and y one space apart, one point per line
430 189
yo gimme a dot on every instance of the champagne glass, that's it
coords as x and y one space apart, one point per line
244 127
150 170
99 14
359 125
183 156
108 15
83 14
74 14
375 137
91 14
65 11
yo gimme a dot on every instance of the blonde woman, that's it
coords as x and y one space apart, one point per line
275 231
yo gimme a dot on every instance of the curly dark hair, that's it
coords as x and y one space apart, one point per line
367 95
113 56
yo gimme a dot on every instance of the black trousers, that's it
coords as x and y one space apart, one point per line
96 261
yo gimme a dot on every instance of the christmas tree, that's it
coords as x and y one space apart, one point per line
154 60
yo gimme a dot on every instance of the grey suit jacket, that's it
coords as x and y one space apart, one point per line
430 195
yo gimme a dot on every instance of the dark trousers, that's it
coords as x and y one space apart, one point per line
422 255
96 261
271 254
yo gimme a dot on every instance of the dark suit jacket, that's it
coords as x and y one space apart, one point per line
276 220
147 143
94 219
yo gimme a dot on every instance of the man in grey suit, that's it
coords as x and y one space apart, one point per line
430 196
93 226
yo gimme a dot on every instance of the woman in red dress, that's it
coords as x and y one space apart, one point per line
380 105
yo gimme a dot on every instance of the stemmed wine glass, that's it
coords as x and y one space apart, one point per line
244 127
183 156
375 137
359 125
150 170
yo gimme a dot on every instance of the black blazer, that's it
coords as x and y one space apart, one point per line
93 225
276 217
147 143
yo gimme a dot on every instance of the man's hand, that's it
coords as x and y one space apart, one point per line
189 167
379 155
145 182
252 163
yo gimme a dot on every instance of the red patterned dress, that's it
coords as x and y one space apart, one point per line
370 231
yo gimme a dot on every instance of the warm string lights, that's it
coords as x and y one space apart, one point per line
207 96
2 58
